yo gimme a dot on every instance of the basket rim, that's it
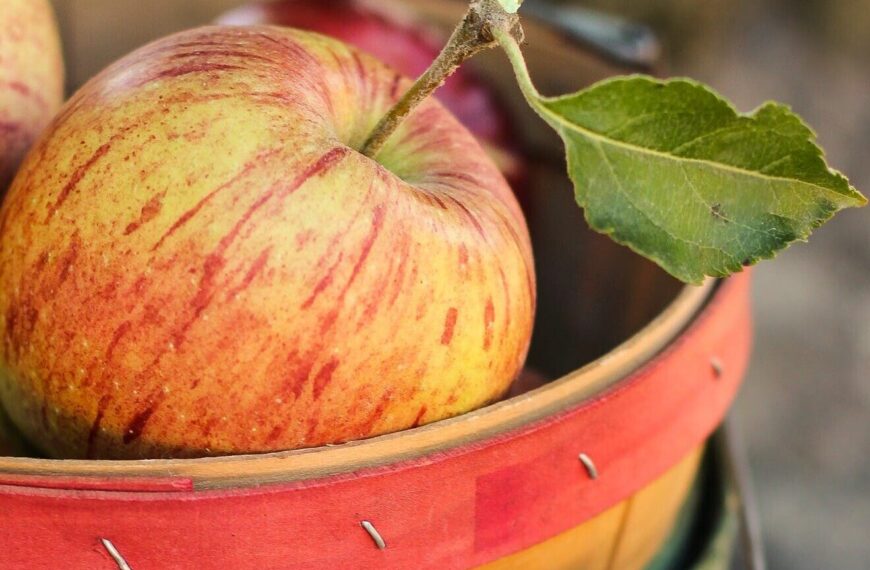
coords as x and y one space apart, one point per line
474 428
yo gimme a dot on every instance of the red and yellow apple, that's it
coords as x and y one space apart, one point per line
397 38
31 78
195 260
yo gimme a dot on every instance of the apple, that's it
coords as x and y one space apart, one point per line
194 260
397 38
31 78
529 379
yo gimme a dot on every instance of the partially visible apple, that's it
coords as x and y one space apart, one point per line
529 379
31 78
195 260
395 37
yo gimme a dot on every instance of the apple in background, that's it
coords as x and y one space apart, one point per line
31 78
195 260
394 36
529 379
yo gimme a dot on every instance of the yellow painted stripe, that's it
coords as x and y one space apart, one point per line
624 537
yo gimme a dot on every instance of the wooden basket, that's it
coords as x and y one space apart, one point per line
588 471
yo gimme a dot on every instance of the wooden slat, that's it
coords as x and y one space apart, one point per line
462 507
652 515
624 537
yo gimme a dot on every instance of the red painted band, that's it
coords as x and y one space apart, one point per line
458 509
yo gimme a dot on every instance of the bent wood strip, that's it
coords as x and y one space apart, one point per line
468 429
622 537
452 508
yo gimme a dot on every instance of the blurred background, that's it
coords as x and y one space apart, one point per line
805 408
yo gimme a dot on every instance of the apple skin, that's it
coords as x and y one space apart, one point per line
194 260
31 79
398 39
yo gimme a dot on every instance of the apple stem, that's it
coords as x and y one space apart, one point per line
474 34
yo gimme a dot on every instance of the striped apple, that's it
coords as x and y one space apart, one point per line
31 78
196 261
397 37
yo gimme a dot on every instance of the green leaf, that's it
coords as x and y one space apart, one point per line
673 171
510 6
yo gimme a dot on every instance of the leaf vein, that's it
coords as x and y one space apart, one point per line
709 206
563 124
646 215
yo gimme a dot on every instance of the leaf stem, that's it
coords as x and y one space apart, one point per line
475 33
511 47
